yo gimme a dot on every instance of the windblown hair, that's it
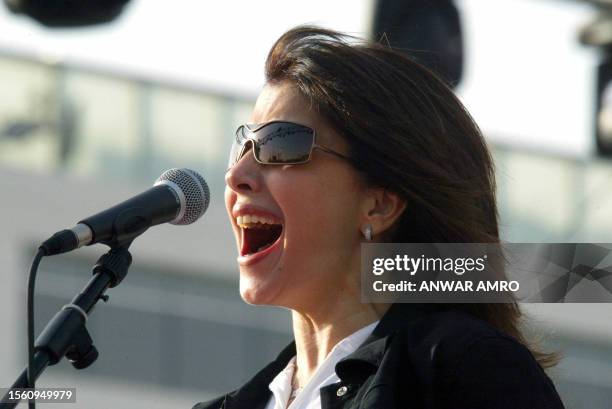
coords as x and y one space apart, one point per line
407 132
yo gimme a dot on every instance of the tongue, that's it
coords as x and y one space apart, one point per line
255 238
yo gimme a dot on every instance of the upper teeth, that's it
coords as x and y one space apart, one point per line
247 220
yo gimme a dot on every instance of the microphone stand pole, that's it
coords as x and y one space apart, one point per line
66 334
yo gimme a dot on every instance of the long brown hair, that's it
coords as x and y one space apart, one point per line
407 132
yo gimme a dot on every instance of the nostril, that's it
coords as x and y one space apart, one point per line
244 186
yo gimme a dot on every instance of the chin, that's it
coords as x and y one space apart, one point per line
255 293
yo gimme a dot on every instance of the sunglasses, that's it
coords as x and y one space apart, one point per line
277 143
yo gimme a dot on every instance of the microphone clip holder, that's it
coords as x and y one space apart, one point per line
115 264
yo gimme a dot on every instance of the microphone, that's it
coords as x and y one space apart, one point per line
179 196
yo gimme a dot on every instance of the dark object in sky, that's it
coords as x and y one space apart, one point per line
68 13
603 107
598 34
428 30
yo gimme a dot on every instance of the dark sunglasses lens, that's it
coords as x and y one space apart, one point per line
281 143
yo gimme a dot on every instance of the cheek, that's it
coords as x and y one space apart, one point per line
319 212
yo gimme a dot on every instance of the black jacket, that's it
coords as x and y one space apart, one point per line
421 357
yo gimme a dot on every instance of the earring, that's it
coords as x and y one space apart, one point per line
367 232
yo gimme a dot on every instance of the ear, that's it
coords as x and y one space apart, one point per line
381 209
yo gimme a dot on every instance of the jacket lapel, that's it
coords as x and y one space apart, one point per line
367 358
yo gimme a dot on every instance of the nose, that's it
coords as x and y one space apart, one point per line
245 175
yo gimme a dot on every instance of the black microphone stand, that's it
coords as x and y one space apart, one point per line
66 334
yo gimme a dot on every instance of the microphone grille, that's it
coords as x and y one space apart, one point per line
195 190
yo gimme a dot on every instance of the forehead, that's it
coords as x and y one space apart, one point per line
282 102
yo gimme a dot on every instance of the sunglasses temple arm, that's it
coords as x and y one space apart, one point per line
324 149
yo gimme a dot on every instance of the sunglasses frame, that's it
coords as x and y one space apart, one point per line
253 128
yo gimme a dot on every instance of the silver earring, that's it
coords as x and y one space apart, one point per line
367 232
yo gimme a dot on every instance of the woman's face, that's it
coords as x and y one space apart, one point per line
317 204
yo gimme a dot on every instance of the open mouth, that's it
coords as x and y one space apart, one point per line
258 233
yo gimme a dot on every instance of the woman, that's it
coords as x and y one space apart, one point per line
355 142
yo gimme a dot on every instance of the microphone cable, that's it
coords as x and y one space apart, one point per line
30 321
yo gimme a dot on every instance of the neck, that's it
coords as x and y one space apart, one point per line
316 332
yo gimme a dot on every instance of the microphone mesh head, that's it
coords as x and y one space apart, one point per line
195 190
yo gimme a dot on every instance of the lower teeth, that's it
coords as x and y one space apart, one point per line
263 248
